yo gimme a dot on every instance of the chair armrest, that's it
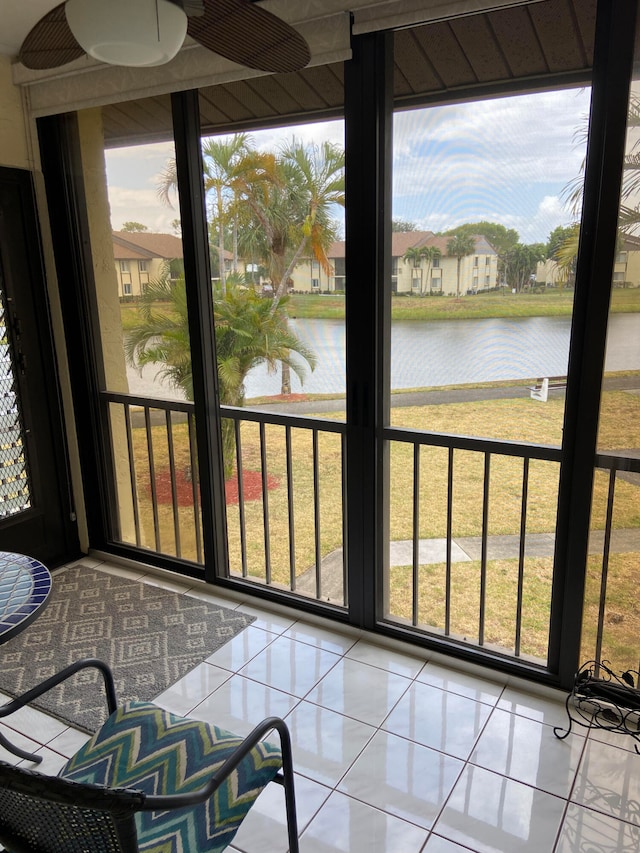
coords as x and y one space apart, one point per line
58 678
175 801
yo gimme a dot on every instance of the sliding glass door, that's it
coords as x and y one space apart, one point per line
368 343
484 240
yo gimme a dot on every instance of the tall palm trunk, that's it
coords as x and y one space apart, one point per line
282 276
223 278
285 384
235 242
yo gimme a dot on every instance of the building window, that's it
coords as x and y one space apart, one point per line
618 276
126 288
621 258
487 280
487 261
124 266
394 266
475 261
315 284
143 266
435 263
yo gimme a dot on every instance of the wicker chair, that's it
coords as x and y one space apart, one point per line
147 780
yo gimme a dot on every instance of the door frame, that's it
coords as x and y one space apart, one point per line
48 530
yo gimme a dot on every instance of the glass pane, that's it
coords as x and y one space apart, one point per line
486 197
483 247
129 159
611 621
275 208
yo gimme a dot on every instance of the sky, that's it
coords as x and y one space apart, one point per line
506 160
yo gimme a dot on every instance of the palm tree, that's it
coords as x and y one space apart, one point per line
308 183
161 336
629 216
293 207
460 246
248 333
431 253
289 197
225 161
414 256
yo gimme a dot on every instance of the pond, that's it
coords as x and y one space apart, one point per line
437 353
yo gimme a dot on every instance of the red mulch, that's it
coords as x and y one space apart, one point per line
251 482
287 398
283 398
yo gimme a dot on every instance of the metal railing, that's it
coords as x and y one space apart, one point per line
286 519
468 534
156 473
157 489
614 551
276 437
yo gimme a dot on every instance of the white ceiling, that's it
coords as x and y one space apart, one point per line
18 16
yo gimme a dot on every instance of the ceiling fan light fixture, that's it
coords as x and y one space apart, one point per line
136 33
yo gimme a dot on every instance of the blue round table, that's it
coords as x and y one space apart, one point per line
25 585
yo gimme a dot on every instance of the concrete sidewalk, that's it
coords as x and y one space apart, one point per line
436 397
463 550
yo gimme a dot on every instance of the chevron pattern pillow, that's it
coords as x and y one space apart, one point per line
144 747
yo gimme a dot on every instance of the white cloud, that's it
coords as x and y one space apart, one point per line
133 176
506 159
131 205
271 139
550 213
317 132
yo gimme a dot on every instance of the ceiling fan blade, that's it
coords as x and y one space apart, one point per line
249 35
50 43
191 7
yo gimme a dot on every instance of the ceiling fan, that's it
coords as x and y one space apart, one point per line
150 32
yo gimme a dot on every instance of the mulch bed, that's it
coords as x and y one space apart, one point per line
251 483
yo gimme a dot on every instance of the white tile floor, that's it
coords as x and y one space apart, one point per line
394 752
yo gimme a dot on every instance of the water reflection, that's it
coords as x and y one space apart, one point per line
437 353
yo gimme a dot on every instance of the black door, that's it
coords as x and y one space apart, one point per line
36 508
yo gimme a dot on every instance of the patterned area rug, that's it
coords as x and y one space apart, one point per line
150 637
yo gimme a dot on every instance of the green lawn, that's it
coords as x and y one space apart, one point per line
552 303
521 419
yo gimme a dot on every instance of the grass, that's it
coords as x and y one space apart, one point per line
553 303
518 419
501 597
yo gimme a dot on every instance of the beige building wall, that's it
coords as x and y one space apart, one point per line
444 277
548 272
137 278
632 272
308 271
626 272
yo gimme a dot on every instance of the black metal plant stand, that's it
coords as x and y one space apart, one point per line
602 699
